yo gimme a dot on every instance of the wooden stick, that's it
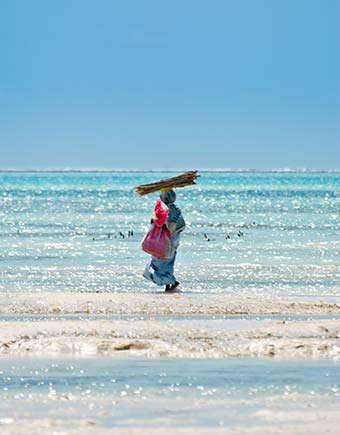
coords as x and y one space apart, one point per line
186 179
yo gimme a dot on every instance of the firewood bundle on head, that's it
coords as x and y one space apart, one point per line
186 179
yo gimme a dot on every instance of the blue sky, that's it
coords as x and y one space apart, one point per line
178 84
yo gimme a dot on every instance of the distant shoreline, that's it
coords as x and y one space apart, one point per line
151 171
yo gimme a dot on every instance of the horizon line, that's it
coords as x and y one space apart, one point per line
135 170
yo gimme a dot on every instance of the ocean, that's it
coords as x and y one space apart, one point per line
250 344
247 232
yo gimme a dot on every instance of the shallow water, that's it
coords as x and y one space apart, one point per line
172 392
265 233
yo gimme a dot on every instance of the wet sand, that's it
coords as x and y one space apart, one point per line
181 333
180 338
243 396
293 414
177 337
158 303
279 423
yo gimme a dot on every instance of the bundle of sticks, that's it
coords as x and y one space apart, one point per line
186 179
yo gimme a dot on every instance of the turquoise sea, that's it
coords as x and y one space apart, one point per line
267 233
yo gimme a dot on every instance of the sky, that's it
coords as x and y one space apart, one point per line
188 84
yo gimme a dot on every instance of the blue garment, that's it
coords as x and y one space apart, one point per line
175 221
161 271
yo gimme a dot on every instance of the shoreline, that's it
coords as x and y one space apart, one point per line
35 343
157 303
186 398
183 336
172 339
152 171
152 339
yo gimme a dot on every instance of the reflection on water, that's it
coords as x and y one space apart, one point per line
189 392
267 233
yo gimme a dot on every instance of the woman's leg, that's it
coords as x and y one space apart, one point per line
161 271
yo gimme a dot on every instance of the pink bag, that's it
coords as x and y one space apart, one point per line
160 213
158 242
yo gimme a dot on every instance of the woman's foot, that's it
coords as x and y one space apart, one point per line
174 286
171 288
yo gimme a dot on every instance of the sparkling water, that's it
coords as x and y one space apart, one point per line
168 392
260 233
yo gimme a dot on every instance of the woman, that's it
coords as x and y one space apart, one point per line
161 271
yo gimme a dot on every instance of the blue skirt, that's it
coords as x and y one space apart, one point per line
161 271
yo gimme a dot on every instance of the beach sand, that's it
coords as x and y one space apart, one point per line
158 303
327 424
157 325
179 336
293 415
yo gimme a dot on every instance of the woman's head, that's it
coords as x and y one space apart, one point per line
168 196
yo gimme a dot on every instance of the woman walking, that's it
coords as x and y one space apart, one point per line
159 270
